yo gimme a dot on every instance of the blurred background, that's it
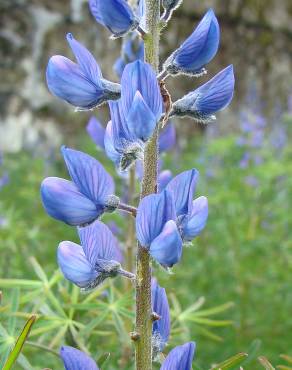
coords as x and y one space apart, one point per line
232 291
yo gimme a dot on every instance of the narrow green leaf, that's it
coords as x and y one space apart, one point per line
103 359
194 307
215 310
14 308
265 363
283 367
208 322
39 270
232 362
14 283
19 343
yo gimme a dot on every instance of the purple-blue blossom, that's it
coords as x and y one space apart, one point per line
202 103
86 197
180 358
156 228
80 84
134 117
96 259
132 50
73 359
96 131
191 215
167 138
161 327
116 15
197 50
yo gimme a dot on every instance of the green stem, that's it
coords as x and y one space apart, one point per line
143 328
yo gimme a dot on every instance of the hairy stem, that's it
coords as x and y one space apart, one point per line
143 273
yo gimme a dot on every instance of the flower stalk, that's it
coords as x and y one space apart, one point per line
143 355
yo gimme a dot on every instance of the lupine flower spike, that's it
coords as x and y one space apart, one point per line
81 84
86 197
191 216
198 49
73 359
180 358
116 15
161 327
96 259
156 228
202 103
134 117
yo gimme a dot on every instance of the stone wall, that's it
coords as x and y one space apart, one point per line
256 38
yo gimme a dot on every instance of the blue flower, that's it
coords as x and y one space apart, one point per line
132 49
163 179
161 327
116 15
180 358
96 131
134 117
156 228
81 84
167 138
83 199
96 259
202 103
191 215
74 359
198 49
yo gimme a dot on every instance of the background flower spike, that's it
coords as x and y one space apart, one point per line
180 358
197 50
202 103
116 15
73 359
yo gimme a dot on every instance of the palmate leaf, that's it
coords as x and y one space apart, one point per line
19 343
231 363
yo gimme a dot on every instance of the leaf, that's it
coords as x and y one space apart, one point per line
265 363
19 343
14 308
103 359
15 283
231 362
215 310
208 322
287 358
39 270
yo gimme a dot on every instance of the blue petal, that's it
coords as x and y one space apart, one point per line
96 132
63 201
196 221
98 242
74 359
89 176
217 93
180 358
66 80
153 212
182 188
74 264
166 248
86 61
109 145
201 47
167 138
120 128
140 76
119 66
116 15
163 179
140 119
161 307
